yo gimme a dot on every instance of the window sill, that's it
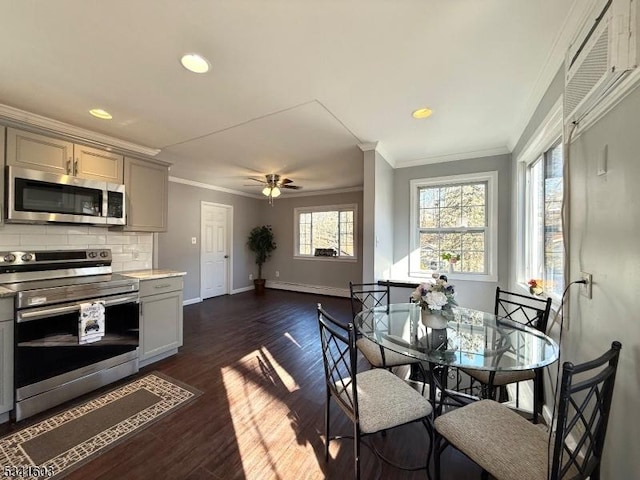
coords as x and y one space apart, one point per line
326 259
465 277
555 301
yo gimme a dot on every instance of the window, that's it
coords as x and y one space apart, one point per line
455 215
544 246
323 232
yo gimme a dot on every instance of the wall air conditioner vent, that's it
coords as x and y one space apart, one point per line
600 57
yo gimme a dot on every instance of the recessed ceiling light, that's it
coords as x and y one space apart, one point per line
100 113
422 113
195 63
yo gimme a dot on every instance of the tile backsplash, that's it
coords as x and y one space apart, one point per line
130 251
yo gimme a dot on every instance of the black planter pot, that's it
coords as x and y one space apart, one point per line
258 283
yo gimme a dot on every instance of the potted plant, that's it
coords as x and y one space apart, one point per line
261 244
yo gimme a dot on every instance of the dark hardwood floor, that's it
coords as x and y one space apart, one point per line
257 361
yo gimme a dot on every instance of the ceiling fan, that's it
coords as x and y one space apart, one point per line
273 185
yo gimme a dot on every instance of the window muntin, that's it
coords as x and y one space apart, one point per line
545 243
453 218
325 227
457 215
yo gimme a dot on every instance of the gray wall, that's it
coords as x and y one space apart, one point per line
473 294
605 227
312 272
383 219
175 250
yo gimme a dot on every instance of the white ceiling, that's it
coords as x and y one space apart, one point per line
295 85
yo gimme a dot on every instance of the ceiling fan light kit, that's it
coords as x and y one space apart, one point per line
273 185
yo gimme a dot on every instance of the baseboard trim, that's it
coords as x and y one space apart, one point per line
241 290
191 301
317 289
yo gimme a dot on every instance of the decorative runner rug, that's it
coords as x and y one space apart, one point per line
63 442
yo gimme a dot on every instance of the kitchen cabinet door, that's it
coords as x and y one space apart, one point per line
147 190
97 164
39 152
161 324
6 354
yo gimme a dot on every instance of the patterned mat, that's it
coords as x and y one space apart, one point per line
61 443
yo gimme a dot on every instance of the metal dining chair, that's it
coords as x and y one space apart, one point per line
531 312
508 447
366 296
374 400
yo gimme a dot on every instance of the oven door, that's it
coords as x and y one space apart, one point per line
47 348
34 196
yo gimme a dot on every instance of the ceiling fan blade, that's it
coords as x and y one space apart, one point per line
285 181
292 187
256 180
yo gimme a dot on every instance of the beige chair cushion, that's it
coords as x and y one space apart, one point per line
371 352
501 378
498 439
385 401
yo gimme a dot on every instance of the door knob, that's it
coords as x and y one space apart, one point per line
226 256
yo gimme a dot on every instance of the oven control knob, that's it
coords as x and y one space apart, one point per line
93 254
27 257
104 254
10 257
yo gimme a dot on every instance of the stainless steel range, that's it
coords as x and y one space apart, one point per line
52 365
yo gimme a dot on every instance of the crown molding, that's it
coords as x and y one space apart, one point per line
576 17
454 157
377 147
208 186
24 118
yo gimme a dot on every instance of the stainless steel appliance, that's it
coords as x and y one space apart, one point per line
35 197
51 366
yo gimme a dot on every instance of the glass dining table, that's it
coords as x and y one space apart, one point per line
473 339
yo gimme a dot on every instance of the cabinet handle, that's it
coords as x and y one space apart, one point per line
69 166
164 285
75 167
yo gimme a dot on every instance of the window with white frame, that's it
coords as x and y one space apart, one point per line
328 231
455 216
544 243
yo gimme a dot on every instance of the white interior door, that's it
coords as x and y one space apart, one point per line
215 251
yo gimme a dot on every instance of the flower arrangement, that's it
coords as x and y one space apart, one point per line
435 296
535 287
451 257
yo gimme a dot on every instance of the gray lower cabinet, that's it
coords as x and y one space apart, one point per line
160 318
6 354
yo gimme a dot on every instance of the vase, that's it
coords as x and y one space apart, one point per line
450 271
433 319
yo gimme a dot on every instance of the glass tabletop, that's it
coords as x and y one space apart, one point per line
472 339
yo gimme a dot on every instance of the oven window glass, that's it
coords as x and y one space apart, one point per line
49 346
36 196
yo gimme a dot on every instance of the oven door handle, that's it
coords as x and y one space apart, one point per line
44 312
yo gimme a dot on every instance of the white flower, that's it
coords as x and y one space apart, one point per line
436 300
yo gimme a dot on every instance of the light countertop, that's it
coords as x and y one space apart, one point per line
153 274
5 292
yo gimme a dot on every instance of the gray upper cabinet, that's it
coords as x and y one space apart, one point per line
54 155
2 132
147 189
98 164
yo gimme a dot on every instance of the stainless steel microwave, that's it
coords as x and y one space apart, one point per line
40 197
